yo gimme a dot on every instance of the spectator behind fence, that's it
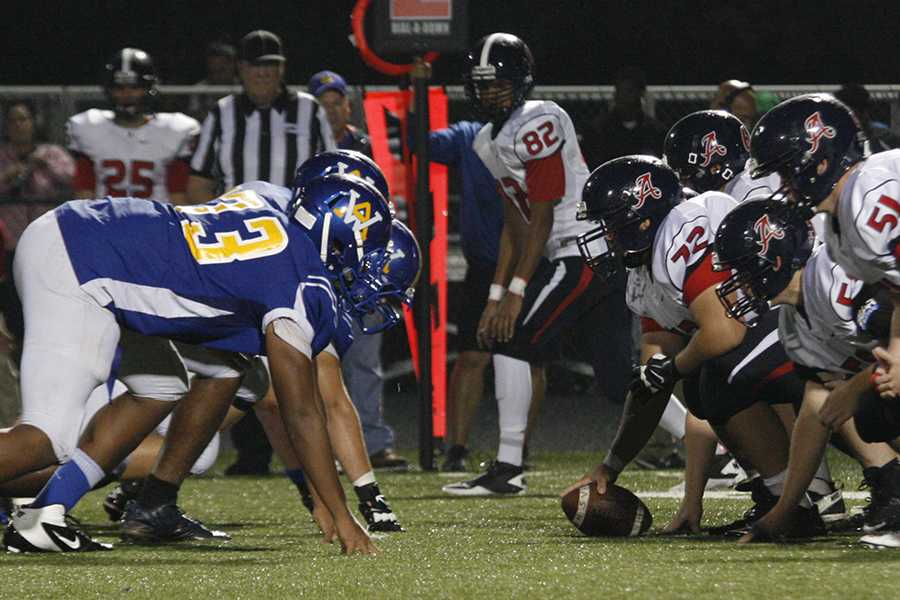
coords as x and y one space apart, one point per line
361 365
626 128
738 98
131 150
880 136
331 91
264 133
29 171
221 69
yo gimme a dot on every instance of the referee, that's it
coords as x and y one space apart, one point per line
264 133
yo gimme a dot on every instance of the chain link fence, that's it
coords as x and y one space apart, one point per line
586 105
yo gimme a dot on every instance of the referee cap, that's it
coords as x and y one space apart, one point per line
261 46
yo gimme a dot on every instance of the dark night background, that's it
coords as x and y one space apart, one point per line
574 42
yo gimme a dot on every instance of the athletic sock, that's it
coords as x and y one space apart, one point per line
821 483
156 493
775 484
365 479
673 418
70 482
512 387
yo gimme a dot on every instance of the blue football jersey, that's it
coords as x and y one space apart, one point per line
343 334
213 274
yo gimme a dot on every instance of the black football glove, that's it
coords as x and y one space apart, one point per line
658 374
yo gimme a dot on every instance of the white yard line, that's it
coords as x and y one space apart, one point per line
731 495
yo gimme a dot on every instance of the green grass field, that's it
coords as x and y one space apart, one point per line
453 548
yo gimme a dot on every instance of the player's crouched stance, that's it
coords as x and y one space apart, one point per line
236 274
829 324
731 375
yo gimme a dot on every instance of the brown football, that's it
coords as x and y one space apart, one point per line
617 513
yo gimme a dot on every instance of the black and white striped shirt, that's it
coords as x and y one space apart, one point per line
241 143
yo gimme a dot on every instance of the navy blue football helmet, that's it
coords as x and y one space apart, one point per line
795 137
131 67
763 242
629 197
340 162
707 149
385 279
498 57
345 217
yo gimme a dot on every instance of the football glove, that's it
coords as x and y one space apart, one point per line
658 374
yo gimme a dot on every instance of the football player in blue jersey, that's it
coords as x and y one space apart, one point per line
385 276
195 279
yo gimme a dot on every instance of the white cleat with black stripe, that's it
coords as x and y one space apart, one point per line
45 530
500 479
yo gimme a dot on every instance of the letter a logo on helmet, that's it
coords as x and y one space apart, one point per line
645 188
711 148
816 129
766 232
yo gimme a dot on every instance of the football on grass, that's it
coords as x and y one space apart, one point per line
617 513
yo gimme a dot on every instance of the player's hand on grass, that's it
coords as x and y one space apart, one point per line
687 519
322 517
601 474
354 539
504 323
485 340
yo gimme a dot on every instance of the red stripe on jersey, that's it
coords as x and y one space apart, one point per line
546 178
177 175
648 325
84 178
701 279
776 374
587 274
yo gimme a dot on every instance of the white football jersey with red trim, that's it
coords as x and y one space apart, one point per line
824 335
681 263
535 157
863 236
743 187
682 249
132 161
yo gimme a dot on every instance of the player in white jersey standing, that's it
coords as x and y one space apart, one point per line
829 324
131 150
732 375
541 287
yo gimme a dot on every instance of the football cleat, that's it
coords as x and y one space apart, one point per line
805 523
376 510
831 506
883 511
115 501
45 530
887 539
455 459
163 524
763 502
500 479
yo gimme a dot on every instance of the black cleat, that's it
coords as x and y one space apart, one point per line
45 530
831 506
763 502
883 511
804 524
500 479
455 459
376 510
163 524
115 501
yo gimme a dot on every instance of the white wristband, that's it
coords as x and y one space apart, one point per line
517 286
496 292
